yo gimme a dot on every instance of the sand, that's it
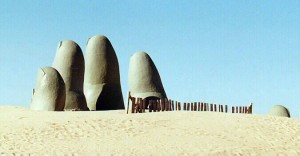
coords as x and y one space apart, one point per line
26 132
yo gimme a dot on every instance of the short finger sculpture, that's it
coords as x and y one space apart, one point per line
279 110
102 86
49 93
143 77
69 62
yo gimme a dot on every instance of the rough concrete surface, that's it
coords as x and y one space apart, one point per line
143 78
102 86
49 93
69 62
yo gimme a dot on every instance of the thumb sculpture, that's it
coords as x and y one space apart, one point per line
49 93
69 62
102 86
143 77
279 110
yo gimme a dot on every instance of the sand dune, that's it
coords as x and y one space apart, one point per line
28 132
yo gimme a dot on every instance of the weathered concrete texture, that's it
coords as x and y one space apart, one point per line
143 77
279 110
102 86
69 62
49 93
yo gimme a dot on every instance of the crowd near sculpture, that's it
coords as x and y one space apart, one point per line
93 83
69 62
49 92
143 78
102 86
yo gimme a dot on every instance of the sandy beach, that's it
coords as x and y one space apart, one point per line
26 132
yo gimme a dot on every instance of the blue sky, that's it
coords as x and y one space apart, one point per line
227 52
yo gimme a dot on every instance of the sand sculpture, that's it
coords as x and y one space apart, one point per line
49 93
69 62
143 78
279 110
102 86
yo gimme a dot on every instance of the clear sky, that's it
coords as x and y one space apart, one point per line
227 52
